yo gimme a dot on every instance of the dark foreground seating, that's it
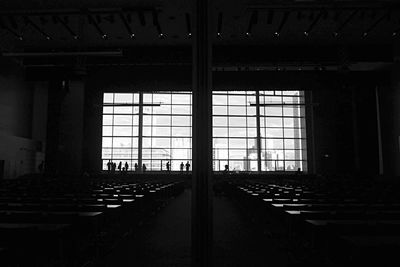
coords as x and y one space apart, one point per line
341 225
54 222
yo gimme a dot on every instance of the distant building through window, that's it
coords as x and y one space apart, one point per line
252 131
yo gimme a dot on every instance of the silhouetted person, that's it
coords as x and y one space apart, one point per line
136 167
187 166
168 167
182 165
126 166
226 168
41 167
298 171
144 167
123 170
114 166
109 166
120 166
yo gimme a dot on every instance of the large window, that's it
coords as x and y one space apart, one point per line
252 131
167 129
120 128
280 143
282 131
147 128
234 130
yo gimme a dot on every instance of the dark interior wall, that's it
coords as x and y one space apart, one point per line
65 126
18 147
15 100
334 111
345 130
389 97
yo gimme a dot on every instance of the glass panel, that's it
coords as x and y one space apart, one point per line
107 131
108 98
122 119
123 98
220 121
122 131
180 99
181 131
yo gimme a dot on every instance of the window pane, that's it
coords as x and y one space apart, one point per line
107 130
237 100
122 142
240 111
220 132
237 132
220 110
180 99
123 110
181 142
122 131
181 110
122 119
237 121
163 109
108 98
220 121
162 98
161 131
107 119
220 143
181 131
162 120
220 100
123 98
181 120
237 143
274 122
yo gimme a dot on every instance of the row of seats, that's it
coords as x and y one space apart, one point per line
344 225
53 222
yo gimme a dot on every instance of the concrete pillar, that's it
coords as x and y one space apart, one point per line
71 121
202 137
258 124
389 103
140 133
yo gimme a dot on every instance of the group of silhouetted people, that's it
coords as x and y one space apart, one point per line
112 167
182 165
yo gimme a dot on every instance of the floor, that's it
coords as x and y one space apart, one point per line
165 239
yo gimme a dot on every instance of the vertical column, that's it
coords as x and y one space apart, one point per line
71 124
140 133
258 124
355 130
202 133
379 131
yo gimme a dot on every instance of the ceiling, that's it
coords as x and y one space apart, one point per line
93 25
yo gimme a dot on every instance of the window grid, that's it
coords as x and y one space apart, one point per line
283 143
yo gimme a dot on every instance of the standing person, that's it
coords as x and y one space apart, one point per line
182 165
120 166
144 167
109 166
126 166
114 166
226 168
167 166
187 166
136 167
41 167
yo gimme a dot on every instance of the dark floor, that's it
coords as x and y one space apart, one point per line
165 239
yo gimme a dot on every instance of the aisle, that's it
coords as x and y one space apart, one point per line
238 243
163 241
